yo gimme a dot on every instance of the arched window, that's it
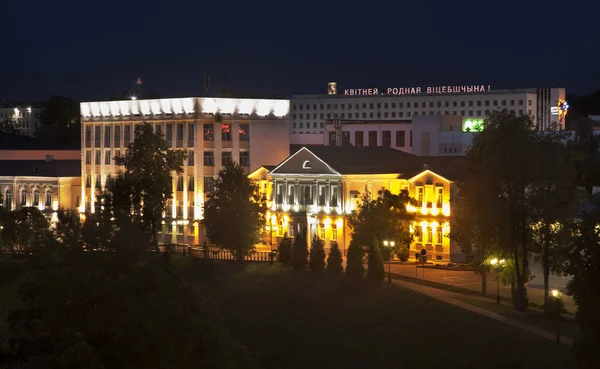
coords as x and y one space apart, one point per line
306 165
36 197
48 197
8 199
23 196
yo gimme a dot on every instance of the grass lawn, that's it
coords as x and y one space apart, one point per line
298 319
568 328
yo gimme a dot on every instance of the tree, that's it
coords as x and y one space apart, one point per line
583 264
356 259
146 183
299 252
23 229
386 218
60 121
502 159
334 259
554 204
68 229
81 308
375 269
285 250
317 254
234 212
8 128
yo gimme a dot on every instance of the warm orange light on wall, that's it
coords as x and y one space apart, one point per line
286 219
410 208
339 223
446 210
327 222
273 219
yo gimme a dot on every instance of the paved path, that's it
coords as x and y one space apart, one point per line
451 298
471 281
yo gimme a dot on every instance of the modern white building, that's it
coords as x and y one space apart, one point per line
214 131
25 119
309 113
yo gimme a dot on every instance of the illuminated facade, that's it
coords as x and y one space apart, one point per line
309 113
25 119
315 188
45 184
214 131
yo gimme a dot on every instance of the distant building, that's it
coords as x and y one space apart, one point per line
25 119
314 189
36 173
309 113
214 131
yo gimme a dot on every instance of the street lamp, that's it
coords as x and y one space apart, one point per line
391 245
497 263
556 310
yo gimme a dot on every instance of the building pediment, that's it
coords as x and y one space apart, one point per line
304 162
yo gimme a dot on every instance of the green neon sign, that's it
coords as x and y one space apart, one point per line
473 125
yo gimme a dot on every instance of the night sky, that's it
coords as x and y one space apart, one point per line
90 50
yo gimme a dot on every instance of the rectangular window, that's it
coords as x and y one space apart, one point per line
127 134
226 132
158 129
98 181
429 235
180 183
209 184
98 157
440 238
88 136
291 197
245 158
372 138
209 159
209 134
107 136
117 135
400 138
169 133
322 231
191 184
88 181
190 137
386 138
345 138
420 195
97 131
107 157
321 195
190 159
410 138
334 196
279 194
334 233
358 139
226 158
88 157
440 196
180 132
244 132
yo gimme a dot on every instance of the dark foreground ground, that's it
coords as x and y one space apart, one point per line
299 319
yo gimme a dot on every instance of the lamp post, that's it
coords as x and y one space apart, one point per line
556 310
391 245
497 264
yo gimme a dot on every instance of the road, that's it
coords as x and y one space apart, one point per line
472 281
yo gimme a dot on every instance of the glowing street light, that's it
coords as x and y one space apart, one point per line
391 245
498 264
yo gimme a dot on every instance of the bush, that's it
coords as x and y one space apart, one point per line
285 250
375 271
334 260
403 253
299 252
317 254
355 261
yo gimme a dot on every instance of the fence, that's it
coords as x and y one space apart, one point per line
218 254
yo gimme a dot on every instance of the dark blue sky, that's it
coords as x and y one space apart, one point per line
89 50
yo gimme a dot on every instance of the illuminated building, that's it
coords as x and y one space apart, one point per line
309 113
315 188
40 174
214 131
25 119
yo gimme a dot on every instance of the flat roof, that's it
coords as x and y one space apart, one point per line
340 94
22 142
40 168
186 106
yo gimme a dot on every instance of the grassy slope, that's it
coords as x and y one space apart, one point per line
297 319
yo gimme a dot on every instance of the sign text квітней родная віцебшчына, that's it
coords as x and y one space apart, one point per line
416 90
